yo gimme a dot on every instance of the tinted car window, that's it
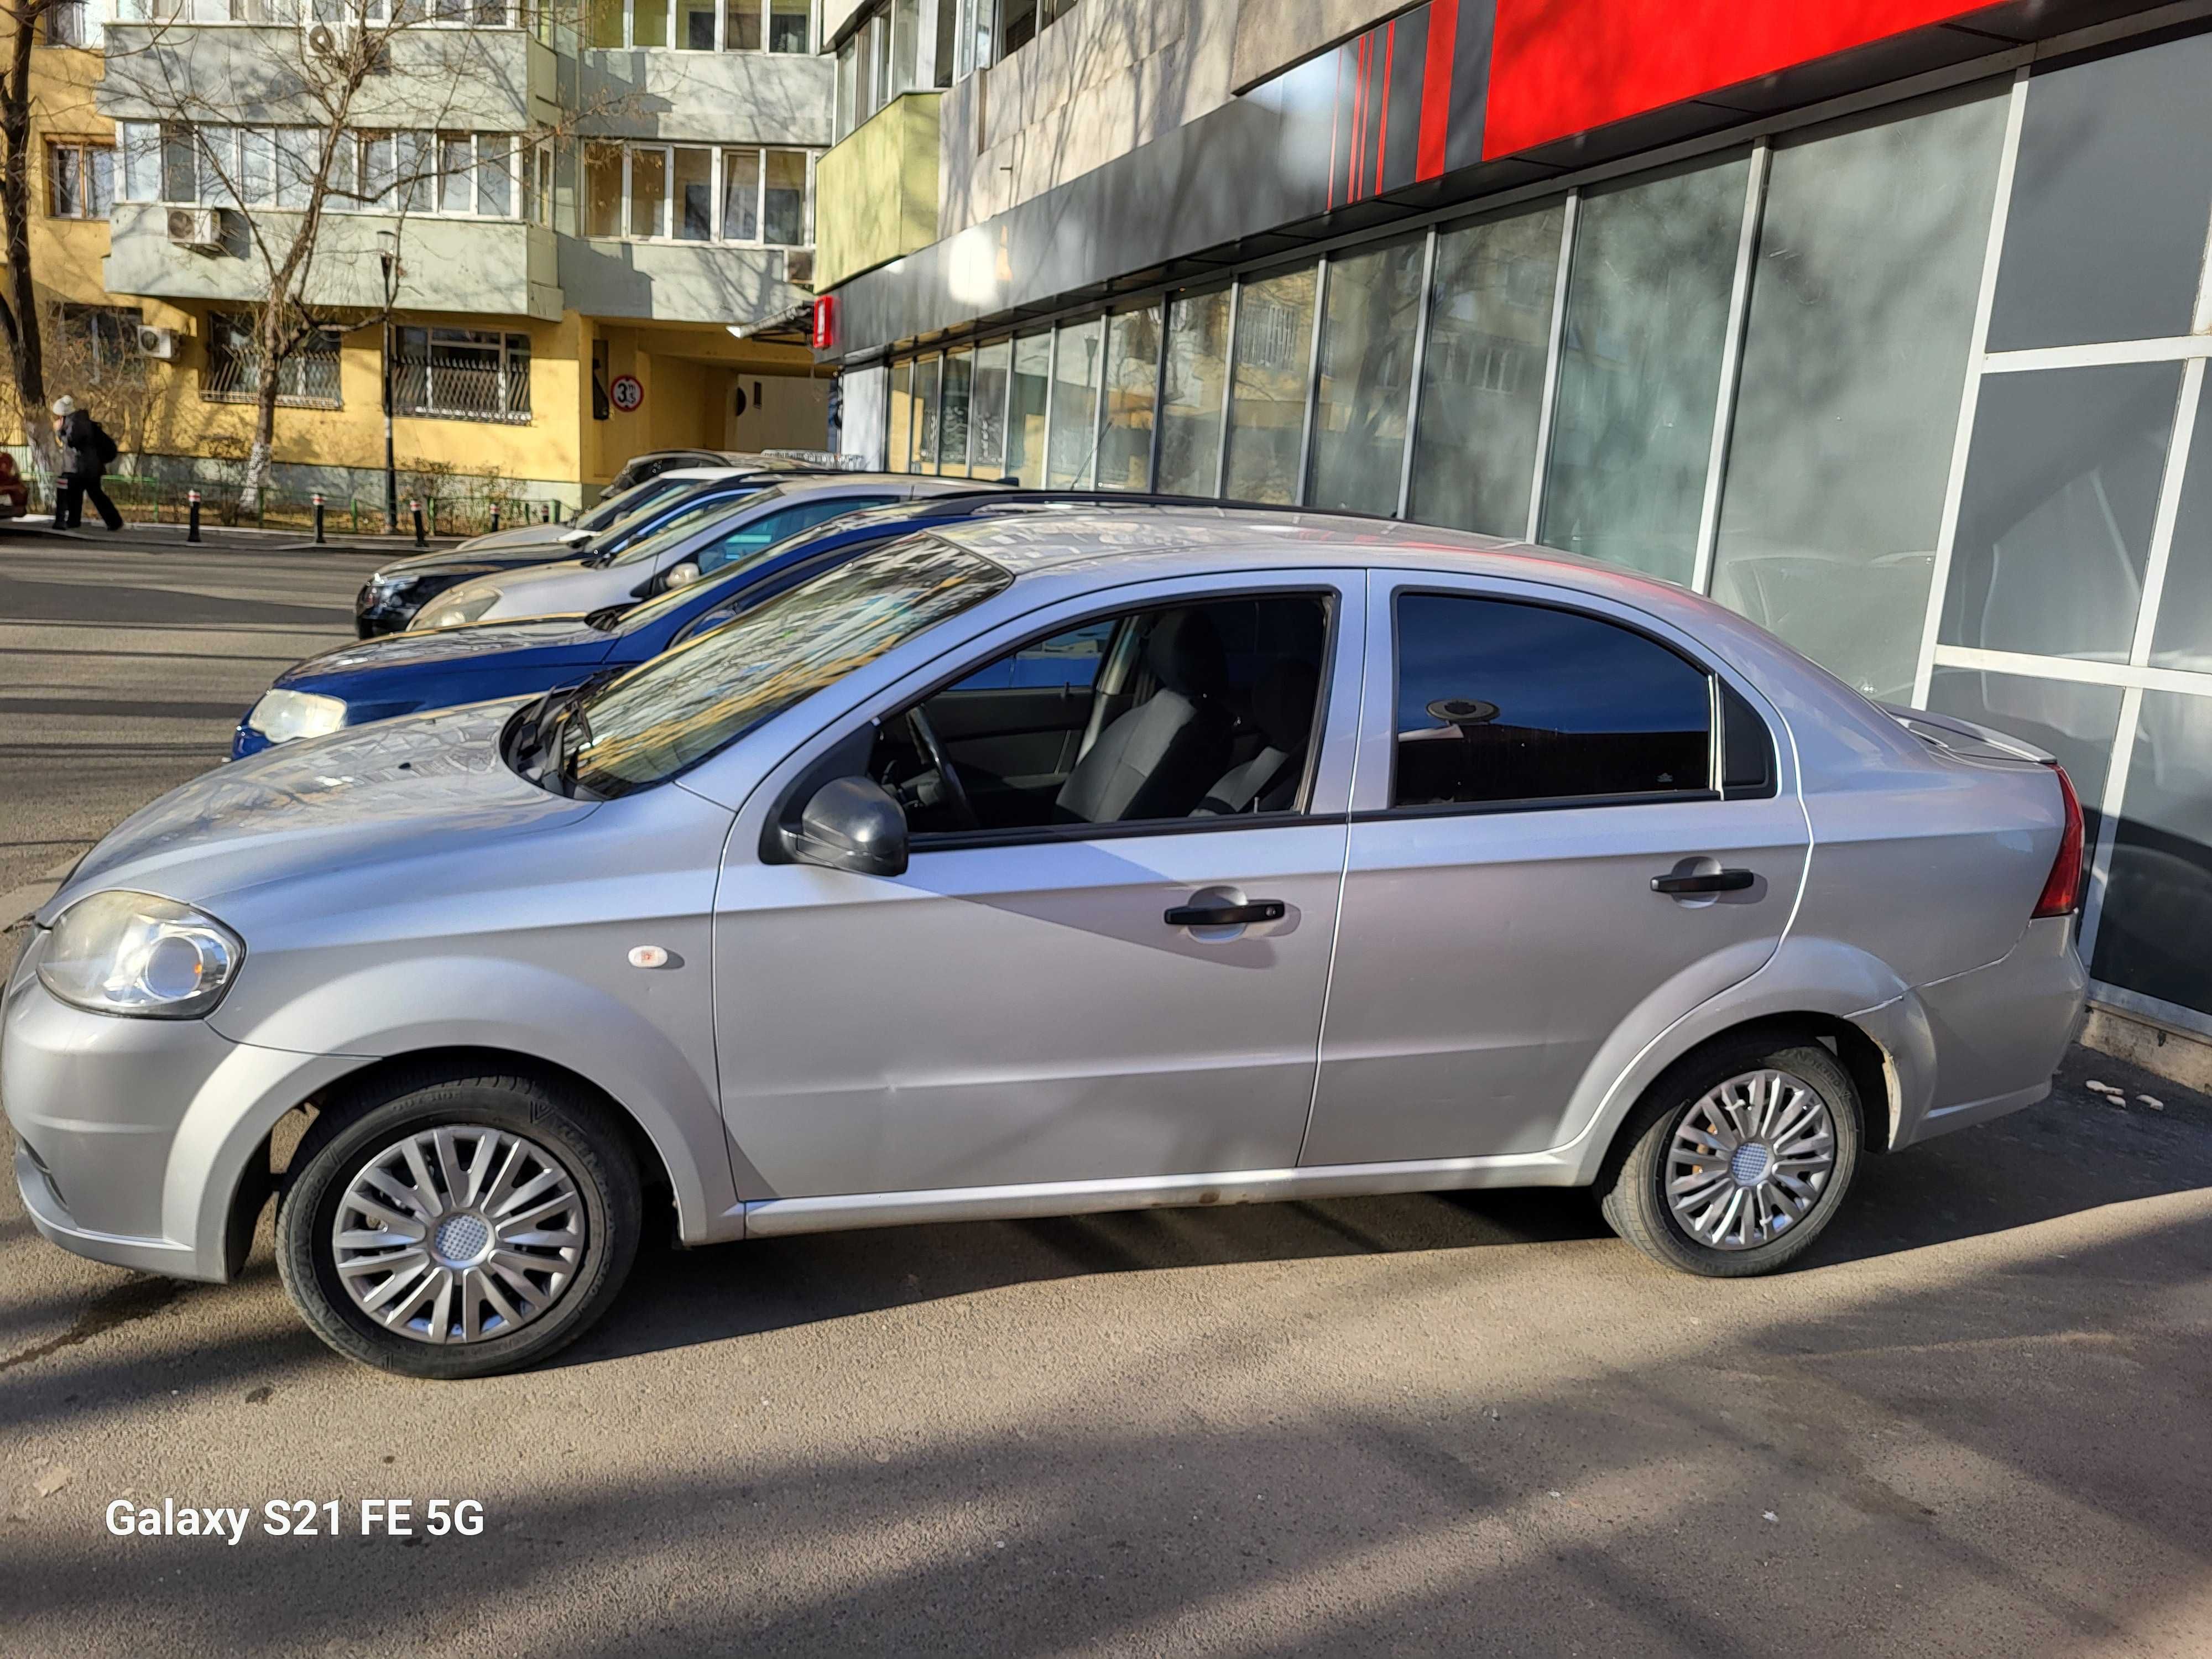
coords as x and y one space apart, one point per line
636 499
772 528
1504 701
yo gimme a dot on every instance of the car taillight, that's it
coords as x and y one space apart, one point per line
2061 888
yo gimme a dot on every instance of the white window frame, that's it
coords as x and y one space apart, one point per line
720 152
84 149
762 8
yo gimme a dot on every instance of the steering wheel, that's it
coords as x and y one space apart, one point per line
956 792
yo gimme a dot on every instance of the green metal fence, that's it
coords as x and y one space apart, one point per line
465 512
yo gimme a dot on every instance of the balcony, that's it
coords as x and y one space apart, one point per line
667 281
876 193
494 268
488 80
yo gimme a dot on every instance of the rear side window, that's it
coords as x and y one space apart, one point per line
1504 702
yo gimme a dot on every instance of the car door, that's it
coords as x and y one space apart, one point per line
1531 762
1019 1007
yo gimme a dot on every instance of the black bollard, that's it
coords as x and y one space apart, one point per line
318 520
415 508
192 515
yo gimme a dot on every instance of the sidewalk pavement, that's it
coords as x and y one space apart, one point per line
170 537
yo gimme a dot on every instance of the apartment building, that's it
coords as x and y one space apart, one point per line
563 236
1885 324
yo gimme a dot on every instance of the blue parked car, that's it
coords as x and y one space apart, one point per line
403 674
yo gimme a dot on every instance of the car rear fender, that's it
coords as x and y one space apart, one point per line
1808 976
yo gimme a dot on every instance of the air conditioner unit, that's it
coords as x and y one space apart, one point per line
798 267
157 343
197 228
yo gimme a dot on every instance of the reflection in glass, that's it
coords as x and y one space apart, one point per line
2184 636
1482 378
898 447
2054 524
1367 378
1267 386
952 416
1862 317
2111 159
2074 722
987 413
1133 361
1190 404
1640 367
1025 408
2157 910
1075 406
925 374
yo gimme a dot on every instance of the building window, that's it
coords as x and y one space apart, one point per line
1365 389
462 374
878 60
65 23
80 180
451 174
1273 353
779 26
307 378
96 341
686 193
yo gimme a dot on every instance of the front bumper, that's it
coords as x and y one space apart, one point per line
140 1142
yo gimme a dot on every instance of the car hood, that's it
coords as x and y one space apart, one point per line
347 802
484 563
556 639
513 538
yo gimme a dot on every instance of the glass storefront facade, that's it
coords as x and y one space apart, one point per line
1918 388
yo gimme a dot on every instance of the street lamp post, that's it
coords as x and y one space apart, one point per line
387 256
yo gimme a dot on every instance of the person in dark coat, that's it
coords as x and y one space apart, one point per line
89 449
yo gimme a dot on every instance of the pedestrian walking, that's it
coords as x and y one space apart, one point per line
89 452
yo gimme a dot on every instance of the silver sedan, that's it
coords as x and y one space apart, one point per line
1056 863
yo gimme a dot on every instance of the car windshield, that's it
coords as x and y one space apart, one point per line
644 530
649 549
679 708
636 499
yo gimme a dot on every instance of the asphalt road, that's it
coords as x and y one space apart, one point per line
1979 1423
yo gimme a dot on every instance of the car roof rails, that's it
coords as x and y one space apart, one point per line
1018 496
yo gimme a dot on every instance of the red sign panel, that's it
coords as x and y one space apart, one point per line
825 322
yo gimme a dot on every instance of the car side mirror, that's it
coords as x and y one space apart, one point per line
682 574
851 824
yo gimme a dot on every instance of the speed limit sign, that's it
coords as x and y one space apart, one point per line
627 393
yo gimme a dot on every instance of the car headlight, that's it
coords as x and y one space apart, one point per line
456 613
139 955
281 715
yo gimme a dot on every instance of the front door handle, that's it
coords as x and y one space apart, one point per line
1226 915
1707 881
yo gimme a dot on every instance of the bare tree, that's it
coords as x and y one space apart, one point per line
361 97
20 176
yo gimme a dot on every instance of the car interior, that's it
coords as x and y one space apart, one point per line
1186 711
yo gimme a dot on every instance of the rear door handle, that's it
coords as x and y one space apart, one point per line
1226 915
1709 881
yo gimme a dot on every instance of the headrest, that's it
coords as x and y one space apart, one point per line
1184 653
1283 702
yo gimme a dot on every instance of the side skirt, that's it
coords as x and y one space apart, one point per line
772 1216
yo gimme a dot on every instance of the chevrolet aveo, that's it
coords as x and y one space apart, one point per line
1040 866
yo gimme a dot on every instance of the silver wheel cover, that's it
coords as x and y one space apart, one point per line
1750 1160
459 1234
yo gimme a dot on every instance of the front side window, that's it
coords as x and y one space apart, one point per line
1176 713
1504 701
679 708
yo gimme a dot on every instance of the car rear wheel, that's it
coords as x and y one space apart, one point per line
1738 1159
460 1226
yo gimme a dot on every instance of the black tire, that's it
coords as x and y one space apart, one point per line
567 1123
1634 1200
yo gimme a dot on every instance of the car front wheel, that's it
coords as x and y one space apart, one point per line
460 1226
1738 1159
